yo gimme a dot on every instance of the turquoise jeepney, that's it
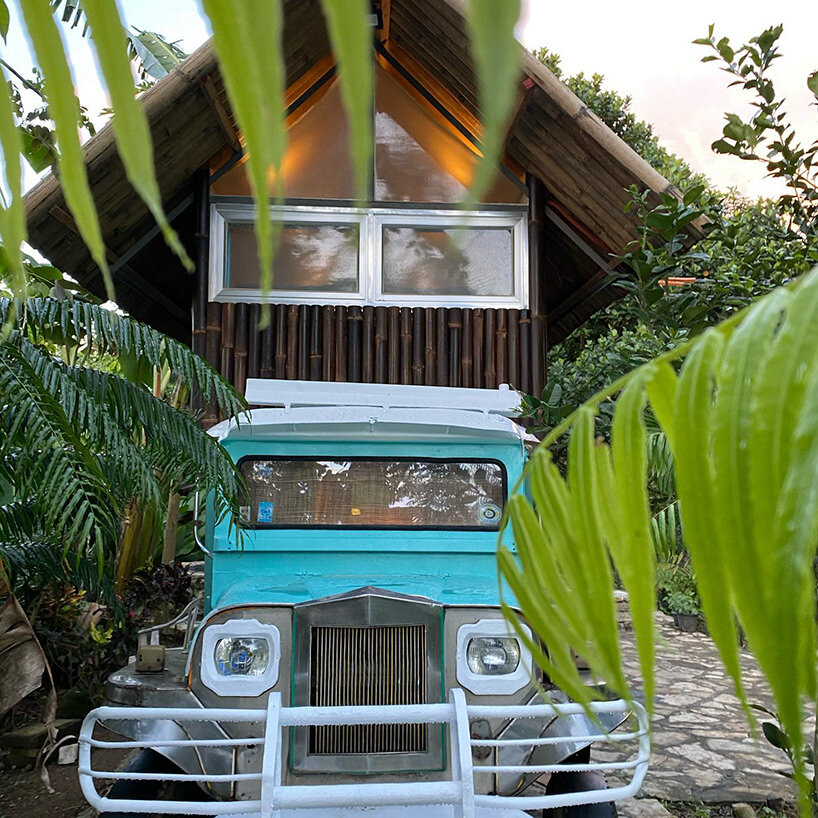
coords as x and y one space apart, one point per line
352 657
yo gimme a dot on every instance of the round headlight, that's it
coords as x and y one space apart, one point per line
493 655
241 657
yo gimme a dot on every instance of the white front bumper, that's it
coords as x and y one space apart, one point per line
394 812
410 799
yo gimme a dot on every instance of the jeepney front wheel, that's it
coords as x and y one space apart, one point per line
579 782
149 761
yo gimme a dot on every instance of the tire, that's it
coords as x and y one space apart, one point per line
584 781
149 761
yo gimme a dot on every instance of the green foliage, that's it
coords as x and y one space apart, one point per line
676 588
741 421
85 642
602 360
665 532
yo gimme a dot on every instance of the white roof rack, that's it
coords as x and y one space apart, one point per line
287 394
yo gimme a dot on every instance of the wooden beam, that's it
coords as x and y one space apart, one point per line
590 288
577 240
385 8
128 274
225 121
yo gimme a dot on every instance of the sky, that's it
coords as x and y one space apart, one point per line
642 47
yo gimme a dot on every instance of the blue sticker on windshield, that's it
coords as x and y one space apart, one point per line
265 512
488 513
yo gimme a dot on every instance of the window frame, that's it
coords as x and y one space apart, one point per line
493 529
371 221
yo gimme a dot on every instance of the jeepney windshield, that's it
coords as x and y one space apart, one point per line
373 493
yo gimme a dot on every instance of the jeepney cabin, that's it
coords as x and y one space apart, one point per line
406 290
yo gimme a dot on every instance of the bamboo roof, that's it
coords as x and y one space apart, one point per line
585 167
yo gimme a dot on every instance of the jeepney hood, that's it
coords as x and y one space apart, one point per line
448 589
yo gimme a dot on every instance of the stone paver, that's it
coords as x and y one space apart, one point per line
641 808
702 746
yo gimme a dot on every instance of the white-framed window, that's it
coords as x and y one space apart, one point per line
375 255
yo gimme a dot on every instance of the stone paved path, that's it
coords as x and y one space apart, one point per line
702 746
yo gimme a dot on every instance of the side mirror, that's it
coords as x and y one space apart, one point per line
196 523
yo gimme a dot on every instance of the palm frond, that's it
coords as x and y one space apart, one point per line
146 445
665 533
660 463
740 421
81 323
55 466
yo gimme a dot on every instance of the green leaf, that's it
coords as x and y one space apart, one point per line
351 38
632 549
247 39
724 49
129 122
812 83
694 481
497 56
774 734
4 20
64 110
37 150
12 216
693 194
157 57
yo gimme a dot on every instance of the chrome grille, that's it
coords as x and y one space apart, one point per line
368 665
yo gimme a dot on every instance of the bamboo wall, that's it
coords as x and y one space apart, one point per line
409 345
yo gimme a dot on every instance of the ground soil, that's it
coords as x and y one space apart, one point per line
23 794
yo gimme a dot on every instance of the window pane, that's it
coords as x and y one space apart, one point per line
374 493
448 261
315 257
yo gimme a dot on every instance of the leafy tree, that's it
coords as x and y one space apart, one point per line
769 136
750 247
615 111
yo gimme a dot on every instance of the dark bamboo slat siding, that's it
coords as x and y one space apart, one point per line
409 345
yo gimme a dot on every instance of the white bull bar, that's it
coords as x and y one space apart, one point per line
458 791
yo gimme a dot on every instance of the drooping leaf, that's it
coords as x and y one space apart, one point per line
774 734
65 112
79 322
37 146
130 123
72 12
351 38
497 56
247 39
52 454
12 215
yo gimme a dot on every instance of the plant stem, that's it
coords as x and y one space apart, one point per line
27 83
